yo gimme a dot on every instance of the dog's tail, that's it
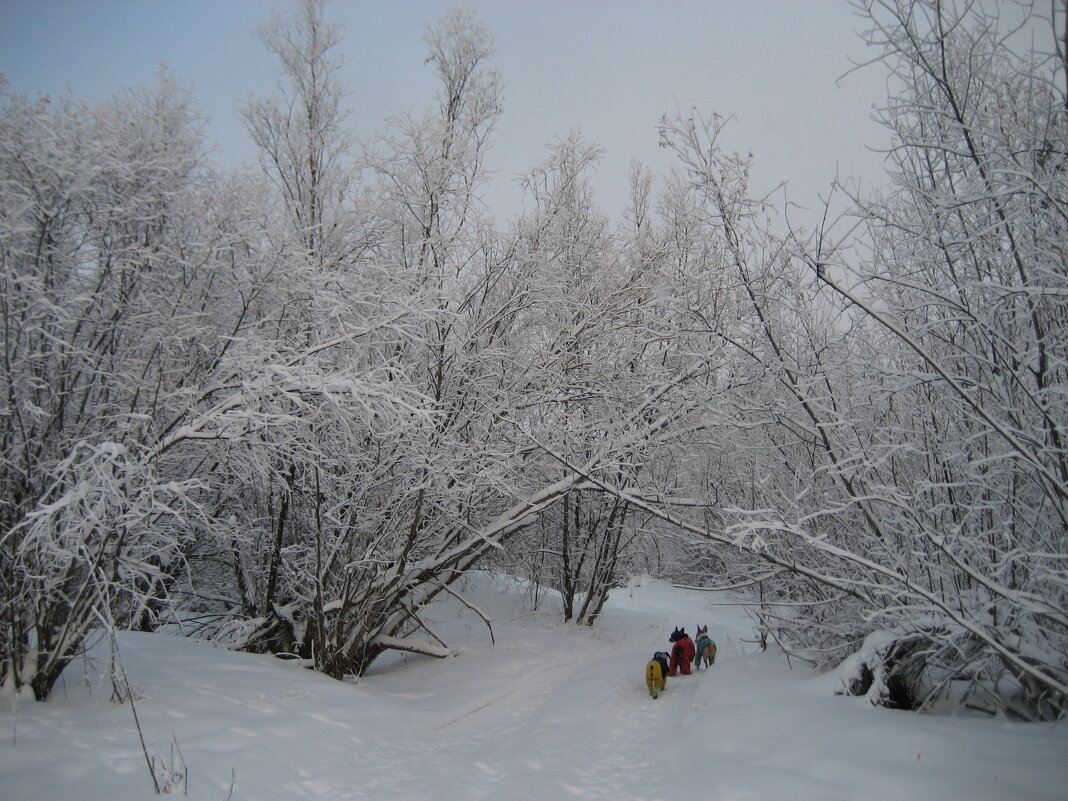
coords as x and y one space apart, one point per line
654 677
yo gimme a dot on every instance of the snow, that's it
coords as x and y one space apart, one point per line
552 711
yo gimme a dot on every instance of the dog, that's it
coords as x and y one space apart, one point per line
656 674
682 652
705 649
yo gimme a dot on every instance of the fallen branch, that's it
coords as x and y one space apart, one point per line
412 646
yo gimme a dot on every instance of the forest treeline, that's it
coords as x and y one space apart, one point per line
286 406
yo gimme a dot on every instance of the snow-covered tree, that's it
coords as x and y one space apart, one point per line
109 334
589 339
371 514
905 438
967 277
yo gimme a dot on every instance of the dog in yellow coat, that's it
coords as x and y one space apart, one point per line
656 673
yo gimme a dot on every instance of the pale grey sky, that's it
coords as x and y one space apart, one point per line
609 69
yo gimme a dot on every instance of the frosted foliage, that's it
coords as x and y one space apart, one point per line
289 407
900 463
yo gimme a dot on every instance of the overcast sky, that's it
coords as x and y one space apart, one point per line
610 69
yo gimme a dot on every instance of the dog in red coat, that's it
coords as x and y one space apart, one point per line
682 652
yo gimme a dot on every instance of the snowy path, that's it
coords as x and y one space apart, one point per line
550 712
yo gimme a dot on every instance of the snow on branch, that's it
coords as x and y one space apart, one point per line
414 646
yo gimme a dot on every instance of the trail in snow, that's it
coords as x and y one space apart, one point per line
552 711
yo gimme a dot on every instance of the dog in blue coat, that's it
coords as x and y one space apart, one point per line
705 649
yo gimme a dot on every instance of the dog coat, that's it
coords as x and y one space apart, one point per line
702 642
655 676
663 659
682 654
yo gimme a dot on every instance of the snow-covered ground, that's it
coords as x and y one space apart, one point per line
550 712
